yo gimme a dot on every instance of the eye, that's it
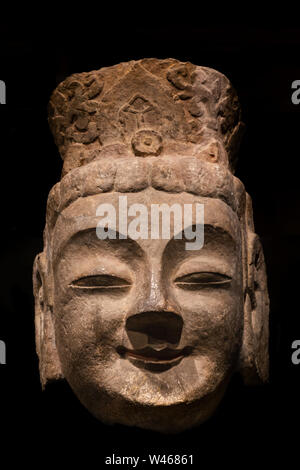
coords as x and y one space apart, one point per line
101 281
203 279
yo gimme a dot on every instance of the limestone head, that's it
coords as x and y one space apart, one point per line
146 331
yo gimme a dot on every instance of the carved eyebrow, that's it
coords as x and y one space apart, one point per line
59 247
207 228
132 245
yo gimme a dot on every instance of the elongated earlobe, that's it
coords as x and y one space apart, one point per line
255 354
49 364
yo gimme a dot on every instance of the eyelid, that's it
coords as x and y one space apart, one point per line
205 265
100 281
203 278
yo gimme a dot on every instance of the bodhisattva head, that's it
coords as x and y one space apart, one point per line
149 326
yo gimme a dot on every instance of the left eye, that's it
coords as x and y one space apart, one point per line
202 279
102 281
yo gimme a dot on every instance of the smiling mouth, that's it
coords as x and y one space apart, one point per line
151 358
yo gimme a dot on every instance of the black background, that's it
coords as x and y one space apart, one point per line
261 61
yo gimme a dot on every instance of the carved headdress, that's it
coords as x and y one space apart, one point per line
145 108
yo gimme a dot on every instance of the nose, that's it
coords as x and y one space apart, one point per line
156 324
156 329
156 299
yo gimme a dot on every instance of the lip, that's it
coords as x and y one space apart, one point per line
148 355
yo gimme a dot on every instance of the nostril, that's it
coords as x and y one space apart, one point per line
156 328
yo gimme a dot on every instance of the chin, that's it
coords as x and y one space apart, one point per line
158 402
168 419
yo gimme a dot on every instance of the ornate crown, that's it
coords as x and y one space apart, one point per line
149 107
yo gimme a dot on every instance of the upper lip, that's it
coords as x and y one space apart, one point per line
162 356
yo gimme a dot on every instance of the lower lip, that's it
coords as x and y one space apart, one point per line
152 360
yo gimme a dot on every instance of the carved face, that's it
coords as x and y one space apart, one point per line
147 322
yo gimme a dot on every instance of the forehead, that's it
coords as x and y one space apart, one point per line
81 216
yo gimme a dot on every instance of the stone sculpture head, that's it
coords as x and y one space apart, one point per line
146 332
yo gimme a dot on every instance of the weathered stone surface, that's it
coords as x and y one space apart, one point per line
145 107
145 331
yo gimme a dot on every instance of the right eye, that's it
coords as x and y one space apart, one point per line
101 281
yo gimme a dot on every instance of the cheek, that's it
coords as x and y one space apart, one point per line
87 324
212 320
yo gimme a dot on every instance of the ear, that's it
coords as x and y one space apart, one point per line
49 364
255 354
